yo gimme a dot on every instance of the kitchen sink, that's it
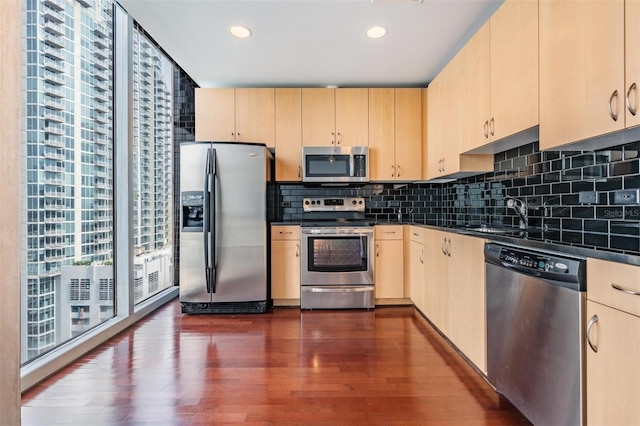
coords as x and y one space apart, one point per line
491 230
501 230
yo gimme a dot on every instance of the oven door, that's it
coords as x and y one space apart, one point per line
337 256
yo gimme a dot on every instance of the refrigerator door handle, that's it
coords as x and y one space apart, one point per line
208 213
213 261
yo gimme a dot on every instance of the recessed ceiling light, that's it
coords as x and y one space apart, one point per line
376 32
240 31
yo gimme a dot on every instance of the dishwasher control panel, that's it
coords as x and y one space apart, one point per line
533 261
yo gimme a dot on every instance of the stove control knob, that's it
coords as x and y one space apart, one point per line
354 202
306 202
360 202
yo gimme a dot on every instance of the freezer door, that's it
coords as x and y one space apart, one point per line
193 286
240 222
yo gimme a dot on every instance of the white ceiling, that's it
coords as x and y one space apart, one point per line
311 43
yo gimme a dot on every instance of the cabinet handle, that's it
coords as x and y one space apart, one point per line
624 290
299 171
443 164
613 115
486 129
339 137
377 250
333 138
449 247
593 320
491 125
297 250
632 110
422 256
393 171
286 232
444 242
398 167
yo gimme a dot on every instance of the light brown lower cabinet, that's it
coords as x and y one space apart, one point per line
454 291
612 335
285 265
388 263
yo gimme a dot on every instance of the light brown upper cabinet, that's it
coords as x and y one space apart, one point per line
335 117
288 135
500 76
585 87
447 126
632 62
238 115
395 134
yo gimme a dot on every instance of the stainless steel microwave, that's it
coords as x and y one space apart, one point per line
335 164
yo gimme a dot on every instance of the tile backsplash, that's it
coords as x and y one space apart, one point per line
548 182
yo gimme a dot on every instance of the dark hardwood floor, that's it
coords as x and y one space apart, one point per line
386 366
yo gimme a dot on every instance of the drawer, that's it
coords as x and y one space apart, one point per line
388 232
614 284
285 232
417 234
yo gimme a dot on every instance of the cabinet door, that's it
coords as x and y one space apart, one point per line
436 137
437 280
382 164
318 117
425 133
416 270
514 68
255 116
408 134
388 269
352 117
613 373
453 115
215 115
285 269
581 67
632 60
473 88
288 134
467 306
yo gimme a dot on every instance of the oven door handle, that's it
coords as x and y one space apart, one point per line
337 289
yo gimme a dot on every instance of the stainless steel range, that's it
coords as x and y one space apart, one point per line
336 261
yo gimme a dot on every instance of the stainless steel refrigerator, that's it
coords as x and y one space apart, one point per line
223 227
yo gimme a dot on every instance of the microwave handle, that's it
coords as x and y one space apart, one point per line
351 165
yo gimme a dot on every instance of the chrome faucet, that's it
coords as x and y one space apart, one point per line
520 207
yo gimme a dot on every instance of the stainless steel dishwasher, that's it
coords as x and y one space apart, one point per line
535 316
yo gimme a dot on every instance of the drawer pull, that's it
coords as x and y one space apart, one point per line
297 250
624 290
593 320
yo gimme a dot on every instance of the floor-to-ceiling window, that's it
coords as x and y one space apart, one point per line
67 202
152 168
70 180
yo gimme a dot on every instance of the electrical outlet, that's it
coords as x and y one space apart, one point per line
588 197
626 196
